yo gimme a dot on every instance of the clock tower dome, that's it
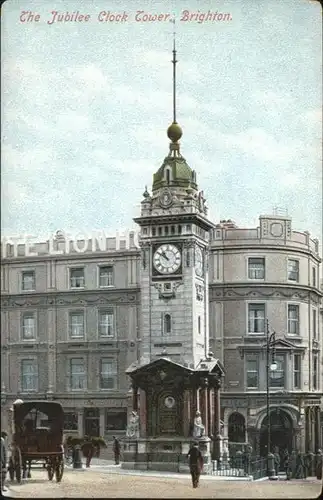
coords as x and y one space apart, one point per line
174 259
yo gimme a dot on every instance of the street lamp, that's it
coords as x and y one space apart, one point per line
271 365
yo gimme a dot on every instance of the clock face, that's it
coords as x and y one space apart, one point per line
198 261
167 259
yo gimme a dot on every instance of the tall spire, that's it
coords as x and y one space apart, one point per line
174 131
174 61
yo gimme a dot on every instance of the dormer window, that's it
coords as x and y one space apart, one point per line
167 174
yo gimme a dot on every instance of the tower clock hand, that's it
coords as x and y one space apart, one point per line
165 256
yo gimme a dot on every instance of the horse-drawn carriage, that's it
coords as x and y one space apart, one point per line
37 436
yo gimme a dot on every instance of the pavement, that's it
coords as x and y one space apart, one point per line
106 480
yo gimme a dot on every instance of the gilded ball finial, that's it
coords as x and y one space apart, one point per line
174 132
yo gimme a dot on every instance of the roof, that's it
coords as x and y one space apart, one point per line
136 368
50 408
182 174
210 366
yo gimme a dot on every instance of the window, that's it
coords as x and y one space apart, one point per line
28 326
297 371
277 377
29 375
106 323
167 176
70 421
293 270
293 319
77 324
199 324
167 324
77 374
166 230
106 276
314 277
172 229
77 278
256 268
252 373
314 323
116 419
188 257
237 428
28 280
256 318
179 229
315 370
108 374
154 231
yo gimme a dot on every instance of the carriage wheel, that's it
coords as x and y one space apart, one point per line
11 470
59 469
50 469
18 465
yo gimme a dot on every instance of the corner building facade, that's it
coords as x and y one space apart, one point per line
72 323
268 273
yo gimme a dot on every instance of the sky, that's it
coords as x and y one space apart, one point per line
86 105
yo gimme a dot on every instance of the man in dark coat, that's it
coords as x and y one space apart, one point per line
196 464
286 464
299 466
116 450
3 460
276 461
319 464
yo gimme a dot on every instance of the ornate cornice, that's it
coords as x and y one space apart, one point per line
78 298
254 290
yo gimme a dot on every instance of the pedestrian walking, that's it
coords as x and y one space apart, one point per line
276 461
116 450
319 464
4 459
286 464
88 450
299 466
196 464
308 461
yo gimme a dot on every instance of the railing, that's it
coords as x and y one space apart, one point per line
240 466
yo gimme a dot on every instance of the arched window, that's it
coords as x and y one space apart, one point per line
167 324
236 430
167 175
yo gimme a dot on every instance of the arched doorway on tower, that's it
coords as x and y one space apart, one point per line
281 432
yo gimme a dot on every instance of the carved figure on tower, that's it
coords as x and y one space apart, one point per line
133 425
198 429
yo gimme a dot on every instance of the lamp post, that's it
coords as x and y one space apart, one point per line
271 365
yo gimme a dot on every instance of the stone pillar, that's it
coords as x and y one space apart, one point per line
134 397
80 422
217 426
102 422
318 444
206 407
187 416
210 411
194 402
142 413
298 443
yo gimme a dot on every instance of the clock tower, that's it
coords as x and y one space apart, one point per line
174 259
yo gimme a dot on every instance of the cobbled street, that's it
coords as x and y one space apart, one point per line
96 483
